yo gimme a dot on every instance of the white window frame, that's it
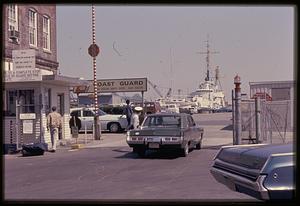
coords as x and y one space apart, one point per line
46 32
13 23
32 15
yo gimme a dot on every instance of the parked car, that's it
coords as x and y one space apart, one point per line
112 109
109 122
150 107
263 171
188 109
172 108
223 109
166 131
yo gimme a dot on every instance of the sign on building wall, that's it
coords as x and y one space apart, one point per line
27 116
27 126
23 75
23 59
23 67
116 85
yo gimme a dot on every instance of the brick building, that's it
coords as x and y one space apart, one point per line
32 83
31 27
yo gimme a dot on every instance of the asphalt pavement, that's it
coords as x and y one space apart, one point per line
108 170
217 133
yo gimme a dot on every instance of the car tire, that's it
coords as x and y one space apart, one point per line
198 145
141 152
134 149
185 150
114 127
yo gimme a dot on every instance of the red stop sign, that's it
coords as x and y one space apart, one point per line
94 50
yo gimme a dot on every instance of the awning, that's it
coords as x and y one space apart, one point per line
63 80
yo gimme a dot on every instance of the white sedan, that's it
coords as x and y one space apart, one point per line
109 122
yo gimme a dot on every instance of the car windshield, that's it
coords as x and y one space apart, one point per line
90 112
162 121
101 112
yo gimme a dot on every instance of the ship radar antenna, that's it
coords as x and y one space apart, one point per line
208 52
217 77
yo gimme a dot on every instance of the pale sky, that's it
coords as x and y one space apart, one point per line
161 43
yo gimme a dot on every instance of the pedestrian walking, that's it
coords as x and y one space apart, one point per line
135 120
127 111
54 123
75 125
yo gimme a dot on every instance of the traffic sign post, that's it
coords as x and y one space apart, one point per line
94 50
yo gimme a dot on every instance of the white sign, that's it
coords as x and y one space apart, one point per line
27 126
23 75
23 59
23 67
120 85
27 116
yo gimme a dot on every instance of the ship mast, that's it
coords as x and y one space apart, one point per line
207 52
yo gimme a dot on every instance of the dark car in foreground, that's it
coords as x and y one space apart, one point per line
166 131
263 171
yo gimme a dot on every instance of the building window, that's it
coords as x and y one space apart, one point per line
32 28
13 17
25 99
46 32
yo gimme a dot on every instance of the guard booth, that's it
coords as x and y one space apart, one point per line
26 105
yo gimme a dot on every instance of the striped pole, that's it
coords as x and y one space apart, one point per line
97 133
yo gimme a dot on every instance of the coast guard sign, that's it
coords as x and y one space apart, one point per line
118 85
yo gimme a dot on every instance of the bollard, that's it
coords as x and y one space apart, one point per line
233 123
93 129
85 134
238 115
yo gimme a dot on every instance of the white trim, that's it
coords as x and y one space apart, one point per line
14 24
33 27
46 33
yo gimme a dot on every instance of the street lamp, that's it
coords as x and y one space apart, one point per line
94 51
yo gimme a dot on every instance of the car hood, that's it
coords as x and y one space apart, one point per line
155 132
252 157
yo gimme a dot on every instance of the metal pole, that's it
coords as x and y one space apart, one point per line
97 133
233 123
257 120
238 114
17 125
85 141
143 100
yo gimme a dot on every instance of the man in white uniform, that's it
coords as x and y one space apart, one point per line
135 122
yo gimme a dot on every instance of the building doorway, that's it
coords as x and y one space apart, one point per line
60 110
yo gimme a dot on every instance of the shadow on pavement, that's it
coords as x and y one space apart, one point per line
151 154
228 127
216 147
120 150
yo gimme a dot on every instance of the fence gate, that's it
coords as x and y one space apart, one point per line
275 118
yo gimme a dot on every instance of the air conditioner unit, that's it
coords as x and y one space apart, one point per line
13 34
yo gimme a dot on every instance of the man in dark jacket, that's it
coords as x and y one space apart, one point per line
128 112
75 122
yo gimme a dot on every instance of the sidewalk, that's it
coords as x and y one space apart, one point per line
214 136
88 141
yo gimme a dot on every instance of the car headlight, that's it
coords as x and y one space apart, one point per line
127 133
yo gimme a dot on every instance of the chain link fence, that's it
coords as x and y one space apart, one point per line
276 122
